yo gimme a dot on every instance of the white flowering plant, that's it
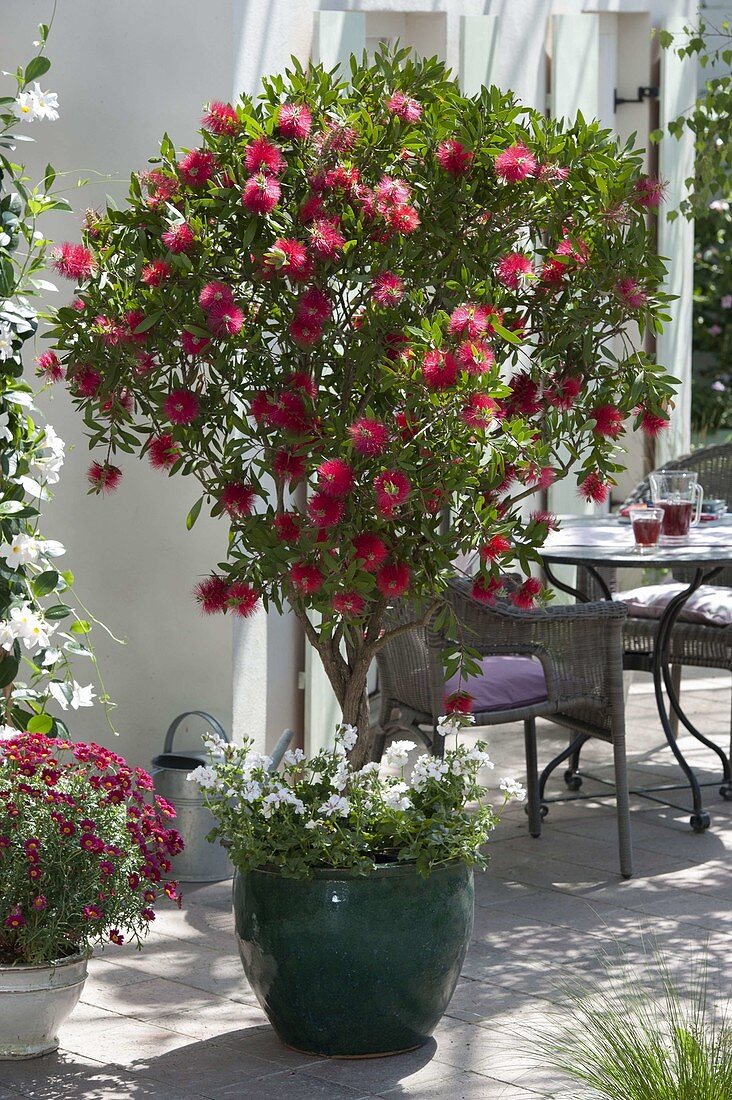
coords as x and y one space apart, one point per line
321 812
36 648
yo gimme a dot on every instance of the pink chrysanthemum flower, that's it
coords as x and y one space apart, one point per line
475 356
387 289
197 167
294 120
525 596
348 603
306 579
440 369
370 550
325 240
212 594
631 293
242 599
261 194
155 273
287 526
369 437
86 381
391 487
594 489
181 407
262 155
404 107
289 466
335 478
179 238
192 344
237 499
103 477
652 424
511 268
608 421
325 510
163 452
73 261
215 294
225 320
290 258
49 366
479 411
454 158
515 164
221 119
649 191
393 579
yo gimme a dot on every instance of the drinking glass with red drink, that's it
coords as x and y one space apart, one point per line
646 527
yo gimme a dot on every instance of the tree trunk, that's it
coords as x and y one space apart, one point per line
355 707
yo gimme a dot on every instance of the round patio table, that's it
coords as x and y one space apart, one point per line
595 543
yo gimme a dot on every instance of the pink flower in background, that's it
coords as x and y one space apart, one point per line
392 487
197 167
49 366
714 330
371 551
608 421
262 155
163 451
181 407
475 356
369 437
631 293
515 164
103 477
454 158
214 295
244 598
511 268
387 289
261 194
726 302
306 578
325 240
294 121
649 191
348 603
155 273
192 344
594 489
221 119
335 478
440 369
179 238
237 499
324 510
404 107
212 594
393 579
73 261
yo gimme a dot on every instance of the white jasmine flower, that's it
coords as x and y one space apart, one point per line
31 628
293 757
7 635
348 736
49 466
397 797
512 788
35 104
6 341
205 776
82 696
23 550
336 804
5 432
398 752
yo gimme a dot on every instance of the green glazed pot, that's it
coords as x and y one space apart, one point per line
354 965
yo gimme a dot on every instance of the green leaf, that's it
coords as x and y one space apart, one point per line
81 626
35 68
45 583
58 611
506 334
8 669
11 507
149 322
194 513
41 723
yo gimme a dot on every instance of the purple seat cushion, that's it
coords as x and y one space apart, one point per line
505 683
710 604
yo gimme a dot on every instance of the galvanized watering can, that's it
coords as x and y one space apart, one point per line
199 861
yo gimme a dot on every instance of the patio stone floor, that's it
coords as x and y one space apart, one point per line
178 1020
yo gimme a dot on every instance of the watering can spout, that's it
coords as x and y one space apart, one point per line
281 748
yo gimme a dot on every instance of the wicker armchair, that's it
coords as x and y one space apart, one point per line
580 651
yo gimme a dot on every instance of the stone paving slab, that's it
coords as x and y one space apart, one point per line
177 1021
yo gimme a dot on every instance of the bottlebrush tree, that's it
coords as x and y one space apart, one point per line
355 309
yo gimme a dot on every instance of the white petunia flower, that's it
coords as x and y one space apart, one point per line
336 804
251 791
426 768
348 736
35 105
398 752
6 341
397 797
311 824
512 788
293 757
205 776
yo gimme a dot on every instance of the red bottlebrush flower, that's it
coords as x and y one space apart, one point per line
479 411
541 476
73 261
495 546
192 344
470 320
348 604
287 526
242 599
545 519
289 413
525 596
159 187
225 320
324 510
163 452
440 369
631 293
564 391
608 421
393 579
103 477
294 121
454 158
179 238
649 191
181 407
387 289
261 194
459 702
14 919
306 579
215 295
221 119
289 466
652 424
406 425
133 320
305 331
369 437
515 164
116 936
335 478
311 208
79 305
339 178
594 489
402 218
299 380
155 273
49 366
391 191
39 903
370 550
511 268
392 487
476 357
405 108
212 594
197 167
290 258
262 155
485 590
524 397
237 499
87 382
325 240
315 305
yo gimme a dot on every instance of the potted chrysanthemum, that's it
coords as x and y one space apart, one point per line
353 893
85 852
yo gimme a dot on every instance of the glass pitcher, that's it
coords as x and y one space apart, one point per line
680 496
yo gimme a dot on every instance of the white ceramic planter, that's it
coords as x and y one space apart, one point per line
34 1002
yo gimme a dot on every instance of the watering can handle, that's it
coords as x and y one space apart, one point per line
186 714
